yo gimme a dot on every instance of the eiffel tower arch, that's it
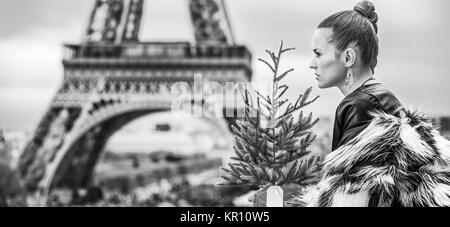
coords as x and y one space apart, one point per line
112 78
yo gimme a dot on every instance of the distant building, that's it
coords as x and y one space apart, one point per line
5 154
163 127
12 144
444 125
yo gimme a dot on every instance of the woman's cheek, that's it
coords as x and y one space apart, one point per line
325 66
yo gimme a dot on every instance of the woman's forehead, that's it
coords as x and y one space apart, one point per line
322 38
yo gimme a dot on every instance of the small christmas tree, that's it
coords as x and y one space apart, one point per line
273 154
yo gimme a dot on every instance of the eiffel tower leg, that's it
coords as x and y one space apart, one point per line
47 139
82 157
74 160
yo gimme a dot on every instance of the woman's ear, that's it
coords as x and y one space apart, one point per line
349 57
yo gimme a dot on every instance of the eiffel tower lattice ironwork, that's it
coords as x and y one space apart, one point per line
112 78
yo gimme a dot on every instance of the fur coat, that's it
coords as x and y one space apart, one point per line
395 161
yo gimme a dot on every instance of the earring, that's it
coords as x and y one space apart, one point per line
349 74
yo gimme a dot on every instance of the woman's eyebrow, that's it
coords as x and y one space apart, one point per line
316 49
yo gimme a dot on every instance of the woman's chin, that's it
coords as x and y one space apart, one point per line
323 85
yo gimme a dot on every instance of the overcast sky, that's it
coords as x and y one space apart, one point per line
413 62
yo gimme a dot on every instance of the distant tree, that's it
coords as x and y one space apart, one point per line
10 185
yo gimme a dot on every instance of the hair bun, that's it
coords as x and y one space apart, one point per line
367 9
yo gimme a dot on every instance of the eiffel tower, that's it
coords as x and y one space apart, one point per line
112 78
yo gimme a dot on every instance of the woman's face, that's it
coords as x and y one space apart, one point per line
329 69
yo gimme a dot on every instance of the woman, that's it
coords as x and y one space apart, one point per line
383 154
345 46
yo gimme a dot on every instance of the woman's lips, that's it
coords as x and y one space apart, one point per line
317 76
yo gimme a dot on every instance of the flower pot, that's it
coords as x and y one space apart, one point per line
275 196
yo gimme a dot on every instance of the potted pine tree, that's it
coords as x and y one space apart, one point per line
272 156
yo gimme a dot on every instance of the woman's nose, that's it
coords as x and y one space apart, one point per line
313 64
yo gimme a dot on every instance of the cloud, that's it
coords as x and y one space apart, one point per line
414 51
30 74
23 107
34 59
18 17
28 63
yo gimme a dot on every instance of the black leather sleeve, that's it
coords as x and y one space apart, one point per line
352 114
355 118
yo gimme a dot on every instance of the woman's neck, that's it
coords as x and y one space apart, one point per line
357 80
